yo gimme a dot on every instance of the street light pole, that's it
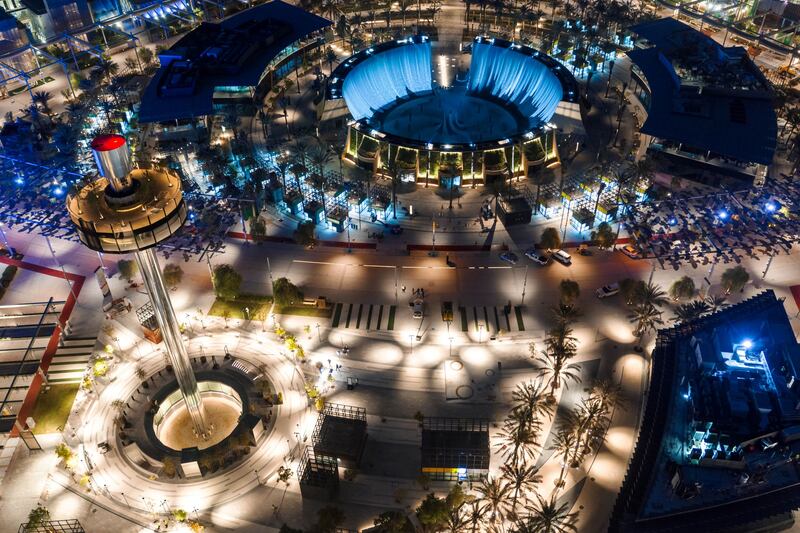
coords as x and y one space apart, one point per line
5 241
524 286
271 281
433 242
64 272
769 263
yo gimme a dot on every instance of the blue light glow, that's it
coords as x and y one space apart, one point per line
723 215
517 78
381 79
771 207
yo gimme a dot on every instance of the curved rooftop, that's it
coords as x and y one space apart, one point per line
232 53
511 92
705 95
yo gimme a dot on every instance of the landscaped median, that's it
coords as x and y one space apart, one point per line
287 297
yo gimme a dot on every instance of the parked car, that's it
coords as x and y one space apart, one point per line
631 251
607 290
509 257
561 256
418 308
537 257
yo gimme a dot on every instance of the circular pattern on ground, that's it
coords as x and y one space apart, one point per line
464 392
456 365
222 412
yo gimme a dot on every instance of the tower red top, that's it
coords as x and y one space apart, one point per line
107 142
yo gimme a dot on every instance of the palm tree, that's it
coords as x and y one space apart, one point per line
529 398
646 317
282 164
565 314
319 157
564 445
42 98
477 513
691 311
734 279
652 295
608 393
494 493
518 437
560 347
522 477
557 372
106 69
715 303
682 288
131 65
590 420
301 149
549 517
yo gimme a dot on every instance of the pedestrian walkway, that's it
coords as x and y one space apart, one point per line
71 360
370 317
491 319
6 454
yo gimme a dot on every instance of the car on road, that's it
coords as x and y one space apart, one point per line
607 290
631 251
418 308
561 256
509 257
537 257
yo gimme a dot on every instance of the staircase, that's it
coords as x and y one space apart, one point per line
71 360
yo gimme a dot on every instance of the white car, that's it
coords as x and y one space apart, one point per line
418 308
536 257
607 290
562 257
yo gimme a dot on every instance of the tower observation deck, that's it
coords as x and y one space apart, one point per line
126 210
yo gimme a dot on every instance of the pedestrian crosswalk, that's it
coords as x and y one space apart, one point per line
488 320
371 317
491 320
71 360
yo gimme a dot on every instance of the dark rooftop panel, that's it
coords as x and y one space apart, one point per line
233 52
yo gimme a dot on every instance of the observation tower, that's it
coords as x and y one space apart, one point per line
129 210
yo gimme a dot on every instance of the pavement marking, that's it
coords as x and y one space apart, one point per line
319 262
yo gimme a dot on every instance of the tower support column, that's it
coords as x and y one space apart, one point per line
170 331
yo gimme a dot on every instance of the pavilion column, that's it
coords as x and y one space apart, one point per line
170 331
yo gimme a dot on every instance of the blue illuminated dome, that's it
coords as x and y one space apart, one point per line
511 91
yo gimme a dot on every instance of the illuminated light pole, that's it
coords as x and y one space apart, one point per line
524 286
131 211
5 241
